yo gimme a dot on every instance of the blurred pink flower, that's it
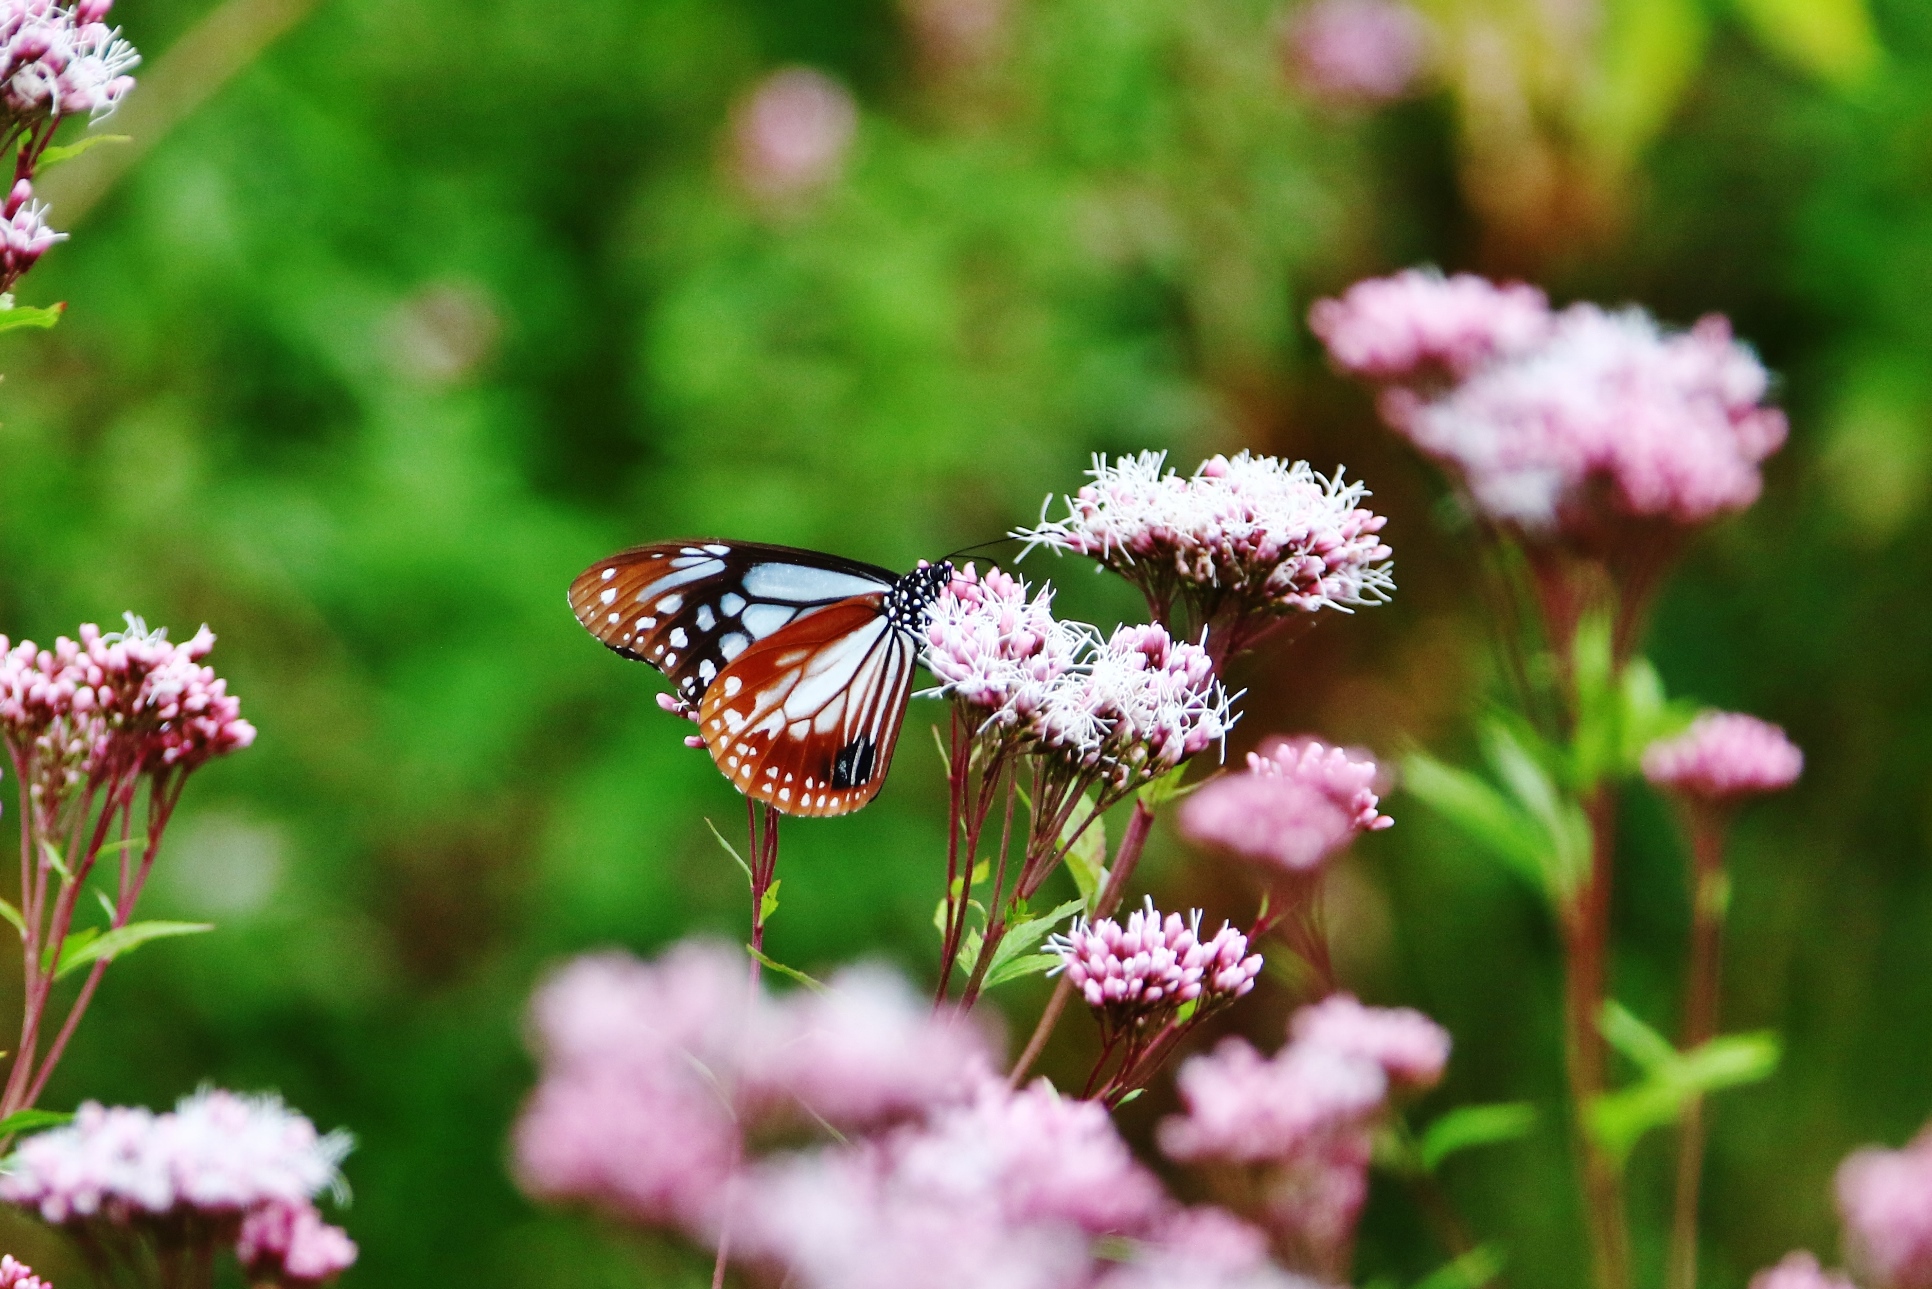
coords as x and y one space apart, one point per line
1411 1049
290 1245
18 1275
1140 975
957 33
1799 1271
1355 51
1419 324
216 1153
791 133
1670 426
1299 802
867 1051
632 1112
1885 1201
1005 1192
1245 536
1724 756
1244 1108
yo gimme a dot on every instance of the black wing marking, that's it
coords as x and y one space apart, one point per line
689 608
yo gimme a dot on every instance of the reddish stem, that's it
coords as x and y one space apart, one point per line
1586 940
1708 898
1126 859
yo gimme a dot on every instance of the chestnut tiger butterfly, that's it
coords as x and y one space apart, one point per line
799 665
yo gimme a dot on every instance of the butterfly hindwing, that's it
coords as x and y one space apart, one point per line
806 720
690 608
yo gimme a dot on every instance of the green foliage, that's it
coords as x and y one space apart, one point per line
1670 1080
1086 858
1469 1126
90 945
1014 957
15 316
1472 1270
31 1120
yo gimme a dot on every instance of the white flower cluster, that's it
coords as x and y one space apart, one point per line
1243 535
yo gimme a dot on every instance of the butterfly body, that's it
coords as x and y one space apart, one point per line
798 665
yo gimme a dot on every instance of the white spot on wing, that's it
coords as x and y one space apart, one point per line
691 572
706 670
679 639
609 596
733 645
609 573
732 685
731 602
706 618
670 604
763 619
800 584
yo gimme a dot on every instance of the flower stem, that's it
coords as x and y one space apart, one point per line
1586 941
1709 896
1126 859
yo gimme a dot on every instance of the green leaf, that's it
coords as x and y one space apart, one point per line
49 852
1472 1270
1644 1046
1164 789
1529 770
1672 1080
1651 50
12 915
120 940
1013 956
28 1120
14 316
1087 860
76 942
1648 714
945 756
107 905
1480 812
1475 1125
68 151
769 905
790 973
730 850
1833 40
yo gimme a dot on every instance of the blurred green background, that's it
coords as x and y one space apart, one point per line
400 312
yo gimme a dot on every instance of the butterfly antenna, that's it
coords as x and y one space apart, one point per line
980 546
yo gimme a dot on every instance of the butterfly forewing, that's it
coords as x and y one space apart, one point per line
806 719
691 608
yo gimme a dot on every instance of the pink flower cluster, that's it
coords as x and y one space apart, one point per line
1355 51
1129 708
1419 324
1008 1189
652 1070
15 1274
1299 802
62 61
1799 1271
111 704
1542 412
217 1155
1244 535
290 1245
1140 975
791 134
1304 1118
1724 756
1885 1201
24 234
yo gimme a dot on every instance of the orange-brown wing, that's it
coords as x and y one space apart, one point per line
689 608
806 719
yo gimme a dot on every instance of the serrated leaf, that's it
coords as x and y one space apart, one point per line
16 316
112 944
1019 942
1481 813
790 973
1164 789
1470 1126
769 904
68 151
12 915
28 1120
1472 1270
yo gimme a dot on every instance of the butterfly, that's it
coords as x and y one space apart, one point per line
798 665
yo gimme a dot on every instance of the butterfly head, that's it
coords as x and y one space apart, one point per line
909 602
